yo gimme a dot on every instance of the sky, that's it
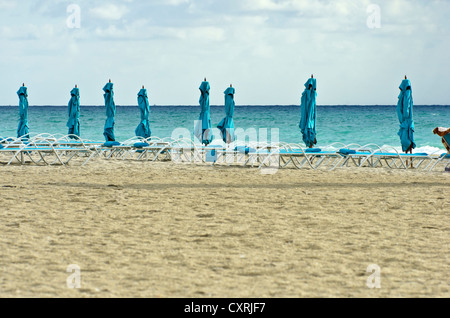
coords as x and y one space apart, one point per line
358 50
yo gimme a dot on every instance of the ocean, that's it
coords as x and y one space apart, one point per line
345 124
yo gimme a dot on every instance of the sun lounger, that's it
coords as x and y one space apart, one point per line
307 157
444 158
155 151
374 156
296 155
40 152
187 151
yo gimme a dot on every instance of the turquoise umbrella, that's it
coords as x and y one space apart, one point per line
226 126
23 130
308 113
405 116
143 130
110 112
203 129
74 113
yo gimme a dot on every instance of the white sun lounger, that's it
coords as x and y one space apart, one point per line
41 152
374 156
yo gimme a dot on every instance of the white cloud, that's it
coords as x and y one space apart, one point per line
176 2
7 4
267 48
109 11
28 32
338 7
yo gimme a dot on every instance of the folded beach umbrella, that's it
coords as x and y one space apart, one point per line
226 125
110 112
23 130
203 129
405 116
143 130
74 112
308 113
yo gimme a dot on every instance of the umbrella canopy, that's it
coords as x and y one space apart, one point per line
203 129
23 130
405 116
308 113
110 112
143 130
74 113
226 126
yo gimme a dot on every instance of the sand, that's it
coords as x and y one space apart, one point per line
171 230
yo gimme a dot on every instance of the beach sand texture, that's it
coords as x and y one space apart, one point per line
140 229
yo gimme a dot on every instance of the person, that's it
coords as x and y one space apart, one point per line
441 131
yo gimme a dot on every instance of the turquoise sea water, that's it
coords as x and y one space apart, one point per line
346 124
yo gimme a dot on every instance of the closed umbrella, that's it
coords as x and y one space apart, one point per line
23 129
405 116
226 126
143 130
203 129
308 113
74 113
110 112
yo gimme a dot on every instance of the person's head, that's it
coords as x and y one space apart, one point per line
231 85
76 86
204 79
142 86
109 80
23 84
312 75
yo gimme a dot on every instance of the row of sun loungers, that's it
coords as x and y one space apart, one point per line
45 149
41 150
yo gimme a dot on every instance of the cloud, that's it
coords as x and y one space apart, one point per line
28 32
142 30
109 11
267 48
7 4
337 7
176 2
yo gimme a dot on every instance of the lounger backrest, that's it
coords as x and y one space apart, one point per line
446 140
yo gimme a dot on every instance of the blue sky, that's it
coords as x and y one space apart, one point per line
266 48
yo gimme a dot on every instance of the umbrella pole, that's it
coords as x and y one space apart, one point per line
410 151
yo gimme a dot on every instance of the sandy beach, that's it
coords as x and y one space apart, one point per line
162 229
